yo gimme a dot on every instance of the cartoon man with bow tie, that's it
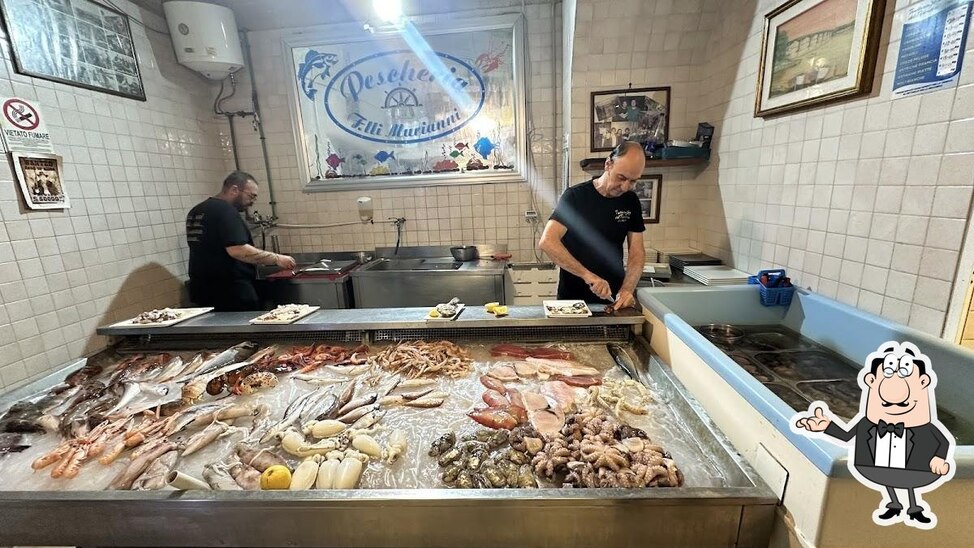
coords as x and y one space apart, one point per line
899 444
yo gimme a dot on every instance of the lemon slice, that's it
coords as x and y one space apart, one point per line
275 477
500 311
489 307
434 313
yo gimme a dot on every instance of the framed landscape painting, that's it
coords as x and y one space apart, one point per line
816 52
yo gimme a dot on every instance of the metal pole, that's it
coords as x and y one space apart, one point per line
260 124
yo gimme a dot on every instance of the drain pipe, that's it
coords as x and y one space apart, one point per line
259 123
233 142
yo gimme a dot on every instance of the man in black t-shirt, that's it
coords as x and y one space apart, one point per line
585 233
221 251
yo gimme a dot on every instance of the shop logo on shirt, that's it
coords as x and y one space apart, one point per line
622 215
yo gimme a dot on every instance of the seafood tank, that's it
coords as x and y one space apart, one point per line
419 425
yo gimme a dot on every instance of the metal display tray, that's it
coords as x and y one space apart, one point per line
738 514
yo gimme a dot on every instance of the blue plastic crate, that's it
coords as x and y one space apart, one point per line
772 296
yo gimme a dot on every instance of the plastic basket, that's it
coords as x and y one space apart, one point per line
772 296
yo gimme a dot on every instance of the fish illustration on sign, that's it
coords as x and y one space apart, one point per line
455 153
460 146
333 160
382 156
484 147
314 60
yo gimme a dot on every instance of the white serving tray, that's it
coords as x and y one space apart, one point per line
304 314
460 308
186 313
557 304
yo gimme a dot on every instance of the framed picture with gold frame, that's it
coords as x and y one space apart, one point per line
816 52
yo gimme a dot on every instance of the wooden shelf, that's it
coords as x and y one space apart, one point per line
595 164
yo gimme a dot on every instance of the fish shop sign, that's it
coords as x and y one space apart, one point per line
395 97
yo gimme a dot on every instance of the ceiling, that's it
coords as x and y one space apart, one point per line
271 14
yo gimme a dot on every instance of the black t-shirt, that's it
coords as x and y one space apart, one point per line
597 228
211 227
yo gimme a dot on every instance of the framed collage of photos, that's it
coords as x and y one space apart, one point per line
649 188
635 114
88 45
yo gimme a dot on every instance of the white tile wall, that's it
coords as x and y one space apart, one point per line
132 170
890 180
646 43
435 215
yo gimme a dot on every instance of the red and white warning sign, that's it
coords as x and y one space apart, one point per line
23 126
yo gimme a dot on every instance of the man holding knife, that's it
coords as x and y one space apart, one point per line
585 233
221 250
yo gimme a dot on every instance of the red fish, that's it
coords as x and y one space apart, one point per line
583 382
494 398
493 384
493 417
516 398
510 350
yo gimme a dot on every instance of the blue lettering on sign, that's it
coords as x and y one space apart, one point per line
374 83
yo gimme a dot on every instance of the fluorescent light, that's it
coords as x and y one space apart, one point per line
389 11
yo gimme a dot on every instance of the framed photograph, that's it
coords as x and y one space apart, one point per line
649 189
640 115
816 52
41 180
89 44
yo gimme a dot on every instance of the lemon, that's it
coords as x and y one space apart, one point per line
434 313
500 311
489 307
275 477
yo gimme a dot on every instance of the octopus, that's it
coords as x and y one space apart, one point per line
594 450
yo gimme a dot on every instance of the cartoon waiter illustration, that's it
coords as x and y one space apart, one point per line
899 444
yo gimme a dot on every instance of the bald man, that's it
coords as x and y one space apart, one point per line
585 233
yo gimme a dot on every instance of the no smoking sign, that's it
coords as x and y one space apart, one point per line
23 126
21 114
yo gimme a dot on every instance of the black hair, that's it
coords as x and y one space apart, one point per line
624 147
879 361
238 179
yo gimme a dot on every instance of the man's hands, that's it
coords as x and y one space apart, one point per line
598 286
624 299
939 466
816 423
285 261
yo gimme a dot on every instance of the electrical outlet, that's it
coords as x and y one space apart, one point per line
531 216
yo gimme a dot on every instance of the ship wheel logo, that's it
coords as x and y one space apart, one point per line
401 97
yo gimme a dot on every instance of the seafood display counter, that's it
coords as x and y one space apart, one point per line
373 430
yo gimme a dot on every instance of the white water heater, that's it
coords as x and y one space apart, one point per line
205 37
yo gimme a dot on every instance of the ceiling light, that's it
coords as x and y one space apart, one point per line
389 11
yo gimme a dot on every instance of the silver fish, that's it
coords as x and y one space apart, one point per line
231 355
171 369
291 414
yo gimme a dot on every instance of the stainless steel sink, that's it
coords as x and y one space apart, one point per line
407 265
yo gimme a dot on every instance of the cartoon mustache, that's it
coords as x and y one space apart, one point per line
901 404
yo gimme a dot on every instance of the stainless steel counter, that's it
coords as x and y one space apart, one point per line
219 323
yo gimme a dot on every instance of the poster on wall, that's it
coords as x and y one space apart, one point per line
84 43
411 107
932 47
41 180
24 126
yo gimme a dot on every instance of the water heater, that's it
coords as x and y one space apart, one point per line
205 37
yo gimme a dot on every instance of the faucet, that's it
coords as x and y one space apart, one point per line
399 222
